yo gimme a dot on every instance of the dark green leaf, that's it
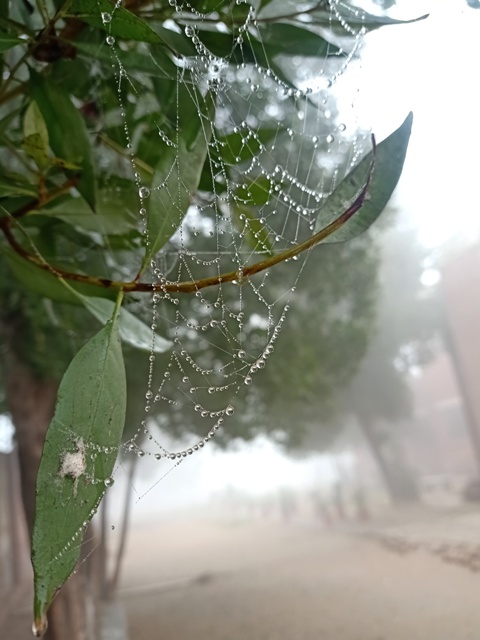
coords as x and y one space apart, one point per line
156 63
178 172
67 131
389 158
115 20
45 283
7 41
79 453
287 39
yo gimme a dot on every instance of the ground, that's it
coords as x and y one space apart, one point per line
267 580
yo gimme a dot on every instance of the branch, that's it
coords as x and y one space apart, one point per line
189 286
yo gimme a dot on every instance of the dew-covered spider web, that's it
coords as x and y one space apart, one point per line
231 134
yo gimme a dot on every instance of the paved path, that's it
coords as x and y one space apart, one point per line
201 580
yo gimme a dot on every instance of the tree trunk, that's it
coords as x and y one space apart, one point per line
398 482
31 402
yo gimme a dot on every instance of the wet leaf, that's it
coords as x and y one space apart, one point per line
79 453
389 158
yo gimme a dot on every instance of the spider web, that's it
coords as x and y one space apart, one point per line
275 148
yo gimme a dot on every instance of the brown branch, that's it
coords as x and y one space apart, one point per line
190 286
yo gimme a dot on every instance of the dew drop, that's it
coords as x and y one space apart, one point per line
248 380
110 40
144 192
108 482
229 410
330 138
106 17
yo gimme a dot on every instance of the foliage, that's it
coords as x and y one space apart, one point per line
90 207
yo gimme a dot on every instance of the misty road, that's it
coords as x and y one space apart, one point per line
208 580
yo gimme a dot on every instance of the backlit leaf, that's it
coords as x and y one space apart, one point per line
389 158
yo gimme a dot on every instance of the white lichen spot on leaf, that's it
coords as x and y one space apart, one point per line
74 464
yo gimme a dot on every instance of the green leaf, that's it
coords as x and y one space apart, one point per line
178 172
7 41
287 39
256 233
132 330
35 133
14 185
79 453
389 158
354 17
156 63
115 20
116 212
67 131
46 284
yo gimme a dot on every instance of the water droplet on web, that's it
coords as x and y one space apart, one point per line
330 138
230 410
106 17
108 482
149 395
144 192
110 40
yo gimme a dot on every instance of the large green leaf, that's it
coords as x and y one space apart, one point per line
389 158
178 171
67 131
113 19
77 462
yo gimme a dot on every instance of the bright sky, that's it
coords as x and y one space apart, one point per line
431 68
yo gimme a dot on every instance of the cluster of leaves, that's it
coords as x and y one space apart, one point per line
69 193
